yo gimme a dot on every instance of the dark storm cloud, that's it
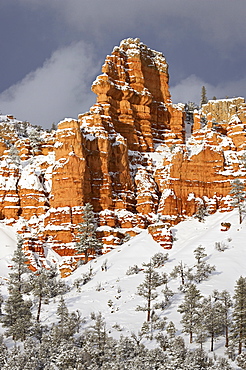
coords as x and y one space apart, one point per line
203 40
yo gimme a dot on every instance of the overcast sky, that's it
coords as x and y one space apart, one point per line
52 50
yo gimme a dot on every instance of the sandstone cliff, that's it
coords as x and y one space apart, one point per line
129 156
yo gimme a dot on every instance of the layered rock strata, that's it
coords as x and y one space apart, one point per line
128 156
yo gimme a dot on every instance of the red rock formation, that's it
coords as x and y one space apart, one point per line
128 157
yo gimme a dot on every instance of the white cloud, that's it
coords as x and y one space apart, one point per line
60 88
189 89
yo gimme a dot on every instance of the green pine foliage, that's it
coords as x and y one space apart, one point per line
190 310
183 272
19 269
204 98
17 311
45 285
238 196
203 269
239 313
87 242
147 289
212 320
17 315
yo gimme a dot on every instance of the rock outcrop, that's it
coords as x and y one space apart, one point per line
128 156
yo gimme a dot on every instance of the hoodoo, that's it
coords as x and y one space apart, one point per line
130 157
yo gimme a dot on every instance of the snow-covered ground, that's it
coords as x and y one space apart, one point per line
121 289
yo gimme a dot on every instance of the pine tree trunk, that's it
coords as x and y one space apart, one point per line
86 256
212 342
240 340
226 337
239 347
148 310
149 297
191 336
240 216
182 275
39 307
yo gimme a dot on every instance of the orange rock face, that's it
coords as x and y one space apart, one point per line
128 156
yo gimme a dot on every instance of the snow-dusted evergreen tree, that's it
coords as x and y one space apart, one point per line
14 155
190 310
159 259
202 212
221 364
204 98
3 352
183 271
87 241
168 294
199 253
17 315
197 360
24 359
203 269
239 313
147 289
225 298
19 268
68 323
1 302
241 360
45 285
35 139
212 318
95 341
175 354
238 196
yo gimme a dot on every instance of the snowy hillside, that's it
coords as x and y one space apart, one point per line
114 293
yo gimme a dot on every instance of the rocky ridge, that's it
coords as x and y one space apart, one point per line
129 156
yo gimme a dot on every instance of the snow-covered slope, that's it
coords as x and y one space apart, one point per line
114 285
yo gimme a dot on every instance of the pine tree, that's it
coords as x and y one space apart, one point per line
35 139
241 360
202 212
199 254
45 285
203 269
87 242
190 310
239 313
238 196
148 288
204 99
95 341
19 268
3 352
197 360
221 364
17 317
212 318
1 302
14 155
183 271
226 301
68 324
159 259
